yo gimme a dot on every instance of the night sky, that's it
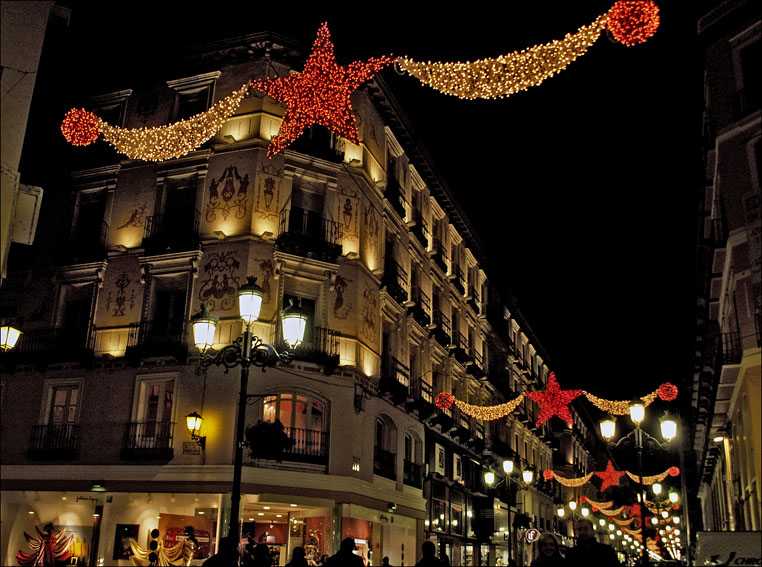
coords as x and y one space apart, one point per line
583 190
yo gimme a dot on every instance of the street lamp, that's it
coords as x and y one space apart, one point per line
526 475
247 350
668 431
8 337
193 421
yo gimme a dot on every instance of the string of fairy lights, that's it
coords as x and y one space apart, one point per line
320 93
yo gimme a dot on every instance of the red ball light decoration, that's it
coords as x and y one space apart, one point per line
80 127
583 499
633 21
667 392
676 506
547 474
444 400
673 471
595 508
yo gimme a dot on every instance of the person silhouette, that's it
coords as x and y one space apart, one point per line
429 552
345 556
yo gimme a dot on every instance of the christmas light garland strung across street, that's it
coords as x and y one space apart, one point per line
671 471
595 504
579 481
153 144
320 93
629 22
626 522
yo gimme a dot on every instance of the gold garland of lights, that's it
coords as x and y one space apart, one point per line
600 505
649 479
612 512
573 482
619 407
175 140
624 522
507 74
489 413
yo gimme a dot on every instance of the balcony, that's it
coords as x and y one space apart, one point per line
462 424
421 307
731 348
309 446
411 474
87 243
459 347
319 345
395 280
439 254
457 280
54 442
385 463
158 338
43 346
444 419
149 440
472 300
395 194
395 379
475 367
171 232
318 141
441 331
420 228
304 233
422 399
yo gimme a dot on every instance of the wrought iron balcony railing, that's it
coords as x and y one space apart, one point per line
458 280
459 347
439 254
395 379
158 337
441 331
309 445
411 474
731 348
395 194
148 440
54 441
421 306
172 232
304 233
420 229
395 280
319 345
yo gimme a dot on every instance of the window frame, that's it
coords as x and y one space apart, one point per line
49 388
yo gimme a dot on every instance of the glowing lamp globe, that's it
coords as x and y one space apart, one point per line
585 512
637 413
673 497
250 300
668 429
294 322
608 428
204 324
527 476
193 421
656 488
489 478
8 337
572 505
560 512
508 466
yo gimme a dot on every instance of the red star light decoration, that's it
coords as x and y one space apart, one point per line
610 476
319 94
554 401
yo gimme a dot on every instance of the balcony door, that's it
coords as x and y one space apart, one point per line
153 425
306 214
169 315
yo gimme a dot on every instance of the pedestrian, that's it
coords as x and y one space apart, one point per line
385 562
548 552
226 556
298 558
345 556
429 553
588 551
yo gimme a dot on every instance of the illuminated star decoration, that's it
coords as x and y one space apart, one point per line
319 94
610 476
554 401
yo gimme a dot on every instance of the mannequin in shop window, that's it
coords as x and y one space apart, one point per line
49 548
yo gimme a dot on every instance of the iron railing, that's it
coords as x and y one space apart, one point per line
420 229
320 345
148 439
439 254
157 332
60 339
731 348
395 194
304 233
173 231
53 439
421 306
395 280
442 331
311 445
411 474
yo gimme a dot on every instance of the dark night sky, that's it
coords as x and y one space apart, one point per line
583 190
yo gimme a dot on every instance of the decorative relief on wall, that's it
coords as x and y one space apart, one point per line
369 314
219 290
370 224
268 192
227 194
340 310
267 270
348 205
121 302
137 217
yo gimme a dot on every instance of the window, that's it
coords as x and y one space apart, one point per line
153 416
385 458
304 419
111 107
193 95
59 417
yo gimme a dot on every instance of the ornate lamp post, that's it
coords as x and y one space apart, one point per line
8 337
527 476
247 350
638 436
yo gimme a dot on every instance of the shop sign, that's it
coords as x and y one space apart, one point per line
532 535
191 448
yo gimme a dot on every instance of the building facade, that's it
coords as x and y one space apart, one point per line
726 405
368 240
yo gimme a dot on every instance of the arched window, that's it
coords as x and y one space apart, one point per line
304 418
385 457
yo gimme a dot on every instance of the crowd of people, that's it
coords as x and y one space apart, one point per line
587 552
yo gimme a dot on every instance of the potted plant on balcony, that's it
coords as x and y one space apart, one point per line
267 440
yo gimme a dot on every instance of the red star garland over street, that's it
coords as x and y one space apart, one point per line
319 94
610 476
554 401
